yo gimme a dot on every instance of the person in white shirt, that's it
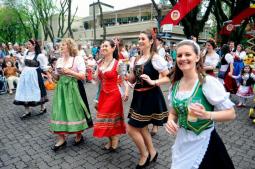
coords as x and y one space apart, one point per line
211 57
159 43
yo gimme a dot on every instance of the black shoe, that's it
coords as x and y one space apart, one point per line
147 162
154 159
26 115
56 148
43 111
76 143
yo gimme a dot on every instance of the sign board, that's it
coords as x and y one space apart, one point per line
167 28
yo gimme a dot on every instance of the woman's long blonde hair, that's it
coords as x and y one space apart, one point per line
71 45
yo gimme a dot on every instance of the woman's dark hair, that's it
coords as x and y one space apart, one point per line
224 50
115 52
36 45
244 68
212 42
151 36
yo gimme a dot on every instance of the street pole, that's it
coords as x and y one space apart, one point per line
94 17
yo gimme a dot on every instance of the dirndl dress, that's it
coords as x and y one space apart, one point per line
30 90
205 150
110 116
69 113
148 105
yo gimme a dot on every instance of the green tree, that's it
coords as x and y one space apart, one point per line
225 10
11 29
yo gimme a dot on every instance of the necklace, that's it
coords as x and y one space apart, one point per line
103 69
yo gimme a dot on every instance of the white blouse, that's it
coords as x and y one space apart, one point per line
241 54
76 63
41 58
212 60
158 63
229 58
189 149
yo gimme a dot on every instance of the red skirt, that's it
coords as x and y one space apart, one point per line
230 84
89 74
110 116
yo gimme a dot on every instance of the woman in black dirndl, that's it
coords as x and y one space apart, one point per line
148 105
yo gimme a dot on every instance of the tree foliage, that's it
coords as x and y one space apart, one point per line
11 29
41 15
225 10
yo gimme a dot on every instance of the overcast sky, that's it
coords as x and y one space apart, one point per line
83 5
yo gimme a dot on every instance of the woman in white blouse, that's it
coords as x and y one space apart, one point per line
211 57
30 90
70 110
226 70
196 102
148 105
239 55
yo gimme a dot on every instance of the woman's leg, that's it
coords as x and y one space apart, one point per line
137 137
108 145
154 130
148 141
10 81
115 142
60 140
78 137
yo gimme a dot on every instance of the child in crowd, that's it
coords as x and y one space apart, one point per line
11 74
90 68
245 89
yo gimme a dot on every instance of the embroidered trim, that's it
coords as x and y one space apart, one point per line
68 123
109 120
155 116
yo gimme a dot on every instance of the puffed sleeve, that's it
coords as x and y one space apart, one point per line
216 94
159 63
229 58
80 64
43 62
242 55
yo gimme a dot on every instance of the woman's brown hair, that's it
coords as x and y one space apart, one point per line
71 45
151 36
176 74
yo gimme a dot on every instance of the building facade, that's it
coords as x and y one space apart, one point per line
126 23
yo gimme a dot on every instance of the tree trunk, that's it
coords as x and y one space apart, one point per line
159 13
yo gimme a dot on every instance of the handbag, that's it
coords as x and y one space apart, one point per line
49 85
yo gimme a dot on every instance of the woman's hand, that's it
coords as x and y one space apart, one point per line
125 97
64 71
148 79
171 127
199 111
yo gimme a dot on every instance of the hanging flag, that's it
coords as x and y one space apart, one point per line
227 29
179 11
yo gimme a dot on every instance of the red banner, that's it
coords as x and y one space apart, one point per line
227 29
179 11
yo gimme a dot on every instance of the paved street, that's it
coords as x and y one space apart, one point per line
26 144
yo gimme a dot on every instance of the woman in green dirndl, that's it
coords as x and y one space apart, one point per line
70 113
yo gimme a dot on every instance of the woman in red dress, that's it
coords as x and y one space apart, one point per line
110 117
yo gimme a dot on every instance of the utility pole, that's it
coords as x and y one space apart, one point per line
94 17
